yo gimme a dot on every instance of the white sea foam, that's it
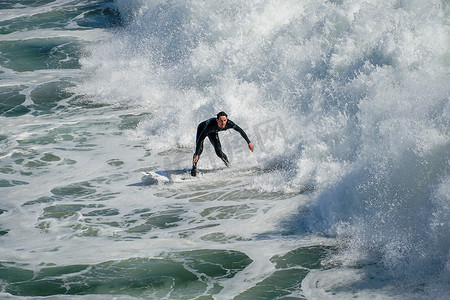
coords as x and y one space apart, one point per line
352 99
88 35
345 101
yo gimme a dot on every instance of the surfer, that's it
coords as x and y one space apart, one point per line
210 128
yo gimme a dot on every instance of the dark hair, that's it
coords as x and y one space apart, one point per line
222 113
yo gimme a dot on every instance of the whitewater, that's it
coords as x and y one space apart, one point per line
347 194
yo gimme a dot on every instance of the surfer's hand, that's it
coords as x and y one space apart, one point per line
195 160
250 146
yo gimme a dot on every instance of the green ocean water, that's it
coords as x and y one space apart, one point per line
51 137
94 92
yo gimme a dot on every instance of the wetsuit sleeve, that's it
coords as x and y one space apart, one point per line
240 130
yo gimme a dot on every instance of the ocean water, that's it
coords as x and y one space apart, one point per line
347 194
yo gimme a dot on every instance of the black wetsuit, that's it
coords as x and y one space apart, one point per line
210 129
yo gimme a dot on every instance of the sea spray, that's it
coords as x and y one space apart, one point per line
346 194
359 90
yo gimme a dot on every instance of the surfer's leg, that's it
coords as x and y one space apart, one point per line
200 149
194 166
214 138
194 170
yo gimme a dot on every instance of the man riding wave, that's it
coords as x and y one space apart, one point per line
210 128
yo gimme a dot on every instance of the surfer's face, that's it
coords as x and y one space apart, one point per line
222 121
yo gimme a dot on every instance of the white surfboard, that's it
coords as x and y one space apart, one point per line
168 176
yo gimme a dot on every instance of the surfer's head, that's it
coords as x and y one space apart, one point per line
222 119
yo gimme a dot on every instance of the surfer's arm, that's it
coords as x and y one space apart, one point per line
243 134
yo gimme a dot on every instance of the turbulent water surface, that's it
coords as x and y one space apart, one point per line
347 194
